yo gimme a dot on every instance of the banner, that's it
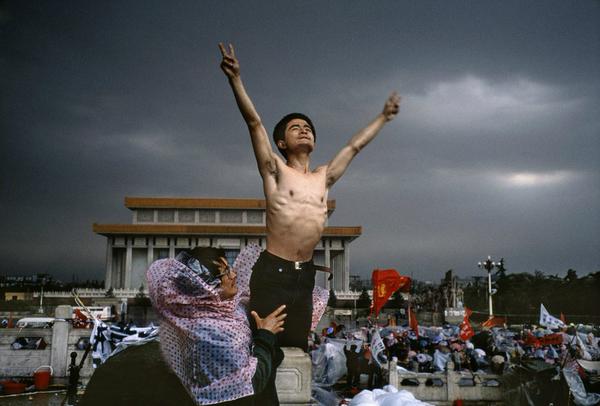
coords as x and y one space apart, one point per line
377 347
547 320
385 283
493 321
466 331
551 339
412 321
531 340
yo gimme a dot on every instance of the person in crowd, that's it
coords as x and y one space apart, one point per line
353 355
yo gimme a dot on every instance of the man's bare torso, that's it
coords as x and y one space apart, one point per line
296 196
296 211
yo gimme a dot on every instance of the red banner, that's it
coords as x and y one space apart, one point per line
551 339
386 282
412 321
494 321
466 331
531 340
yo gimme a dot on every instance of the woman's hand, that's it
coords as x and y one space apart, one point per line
273 322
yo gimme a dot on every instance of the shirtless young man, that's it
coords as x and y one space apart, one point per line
296 206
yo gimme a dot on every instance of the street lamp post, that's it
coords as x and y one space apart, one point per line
488 265
41 308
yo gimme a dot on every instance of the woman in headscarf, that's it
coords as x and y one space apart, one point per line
205 336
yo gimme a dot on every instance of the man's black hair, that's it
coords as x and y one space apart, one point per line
206 256
279 131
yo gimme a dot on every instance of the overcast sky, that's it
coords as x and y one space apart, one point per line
495 150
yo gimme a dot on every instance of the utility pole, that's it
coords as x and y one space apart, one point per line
488 265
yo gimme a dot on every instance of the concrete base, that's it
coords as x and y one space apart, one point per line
294 377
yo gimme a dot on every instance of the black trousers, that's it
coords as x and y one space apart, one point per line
276 281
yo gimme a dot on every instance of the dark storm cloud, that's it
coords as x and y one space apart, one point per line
494 152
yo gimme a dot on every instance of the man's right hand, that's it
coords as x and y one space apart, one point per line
229 64
273 322
392 106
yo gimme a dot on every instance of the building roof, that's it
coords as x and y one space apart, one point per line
181 229
200 203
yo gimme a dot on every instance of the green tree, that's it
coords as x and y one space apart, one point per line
332 302
396 301
364 301
140 293
571 275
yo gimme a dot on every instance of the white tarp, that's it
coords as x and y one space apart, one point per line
329 362
388 396
580 396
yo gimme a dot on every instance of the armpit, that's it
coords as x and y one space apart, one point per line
270 166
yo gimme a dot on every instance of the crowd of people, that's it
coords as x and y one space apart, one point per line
431 349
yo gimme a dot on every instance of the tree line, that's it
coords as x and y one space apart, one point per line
518 296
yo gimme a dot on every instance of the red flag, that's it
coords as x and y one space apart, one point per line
412 321
386 282
466 331
494 321
80 320
563 318
532 340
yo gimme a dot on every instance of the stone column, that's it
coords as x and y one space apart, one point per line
393 373
128 263
327 263
150 258
109 264
59 355
346 286
172 247
452 379
294 377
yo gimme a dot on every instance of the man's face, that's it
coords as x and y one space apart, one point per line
228 287
298 136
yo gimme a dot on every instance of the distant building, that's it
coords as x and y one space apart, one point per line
25 281
358 283
8 296
162 227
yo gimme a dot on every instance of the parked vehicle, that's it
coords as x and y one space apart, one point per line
35 322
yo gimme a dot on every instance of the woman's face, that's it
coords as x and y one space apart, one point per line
228 287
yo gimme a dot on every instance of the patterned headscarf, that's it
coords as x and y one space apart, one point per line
195 265
205 340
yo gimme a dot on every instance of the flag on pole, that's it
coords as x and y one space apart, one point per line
547 320
412 321
493 321
466 331
377 346
385 283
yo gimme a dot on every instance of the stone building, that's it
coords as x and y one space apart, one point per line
162 227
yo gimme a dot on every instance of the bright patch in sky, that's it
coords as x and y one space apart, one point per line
532 179
472 102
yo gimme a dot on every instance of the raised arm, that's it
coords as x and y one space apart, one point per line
265 157
338 165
